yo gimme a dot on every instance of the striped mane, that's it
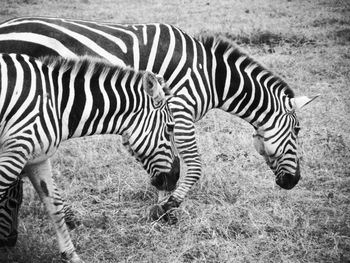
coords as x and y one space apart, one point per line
86 63
221 45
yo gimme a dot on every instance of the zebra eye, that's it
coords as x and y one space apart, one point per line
296 130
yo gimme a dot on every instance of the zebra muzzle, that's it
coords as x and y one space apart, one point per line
167 181
288 180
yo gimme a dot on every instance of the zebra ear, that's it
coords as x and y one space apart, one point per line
299 102
153 87
164 85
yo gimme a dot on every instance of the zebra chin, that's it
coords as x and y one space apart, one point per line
167 181
287 180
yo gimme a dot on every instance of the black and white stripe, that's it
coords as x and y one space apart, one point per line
203 74
50 100
10 204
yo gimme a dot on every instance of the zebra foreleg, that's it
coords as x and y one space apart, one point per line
158 212
41 177
188 150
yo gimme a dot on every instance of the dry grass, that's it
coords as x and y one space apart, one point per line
235 213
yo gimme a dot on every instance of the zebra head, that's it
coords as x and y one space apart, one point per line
276 141
152 140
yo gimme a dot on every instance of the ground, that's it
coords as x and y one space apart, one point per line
235 213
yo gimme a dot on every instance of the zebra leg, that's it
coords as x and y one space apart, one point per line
156 212
41 177
71 220
9 208
188 150
12 161
69 216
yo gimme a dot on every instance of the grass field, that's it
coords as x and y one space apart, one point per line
235 213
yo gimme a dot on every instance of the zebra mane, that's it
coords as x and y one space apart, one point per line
92 65
88 64
222 45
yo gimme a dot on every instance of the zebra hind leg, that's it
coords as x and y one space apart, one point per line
12 161
9 208
69 216
41 177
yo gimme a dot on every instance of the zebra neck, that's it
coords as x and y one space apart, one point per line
104 102
248 90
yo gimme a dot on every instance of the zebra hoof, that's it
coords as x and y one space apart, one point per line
69 216
171 217
156 212
71 258
72 222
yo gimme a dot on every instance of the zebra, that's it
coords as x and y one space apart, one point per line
204 73
47 101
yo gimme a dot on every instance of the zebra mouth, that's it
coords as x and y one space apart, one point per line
287 181
167 181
